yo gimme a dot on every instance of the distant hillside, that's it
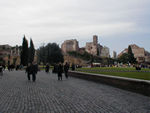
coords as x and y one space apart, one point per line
75 60
84 56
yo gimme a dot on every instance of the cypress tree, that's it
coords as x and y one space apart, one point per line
31 51
131 55
24 52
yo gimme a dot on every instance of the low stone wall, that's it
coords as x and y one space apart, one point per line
134 85
97 70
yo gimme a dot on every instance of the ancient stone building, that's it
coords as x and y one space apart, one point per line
10 55
5 47
92 47
139 53
70 45
96 49
114 54
147 56
4 53
105 52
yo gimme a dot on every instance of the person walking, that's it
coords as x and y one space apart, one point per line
34 70
55 69
28 71
4 67
60 71
73 67
66 68
47 68
1 70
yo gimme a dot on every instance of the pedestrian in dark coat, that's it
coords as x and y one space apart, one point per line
47 68
34 70
1 69
28 71
55 69
60 71
8 67
66 68
73 66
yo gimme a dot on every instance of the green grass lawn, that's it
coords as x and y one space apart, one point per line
136 75
113 68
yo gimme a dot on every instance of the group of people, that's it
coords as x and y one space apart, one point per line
9 67
12 67
32 69
62 69
59 69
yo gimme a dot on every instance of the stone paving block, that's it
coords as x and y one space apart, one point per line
73 95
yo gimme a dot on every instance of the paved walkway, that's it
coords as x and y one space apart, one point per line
48 95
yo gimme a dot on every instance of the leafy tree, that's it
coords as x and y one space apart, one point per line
31 51
41 53
124 58
24 52
110 61
51 53
54 53
131 55
92 59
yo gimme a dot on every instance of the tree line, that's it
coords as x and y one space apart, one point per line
125 58
50 53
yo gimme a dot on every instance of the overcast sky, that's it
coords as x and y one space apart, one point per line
118 23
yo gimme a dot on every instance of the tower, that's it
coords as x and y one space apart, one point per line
95 39
114 54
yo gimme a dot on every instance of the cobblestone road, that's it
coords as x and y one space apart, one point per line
48 95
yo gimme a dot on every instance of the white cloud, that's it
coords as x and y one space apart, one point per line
52 19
